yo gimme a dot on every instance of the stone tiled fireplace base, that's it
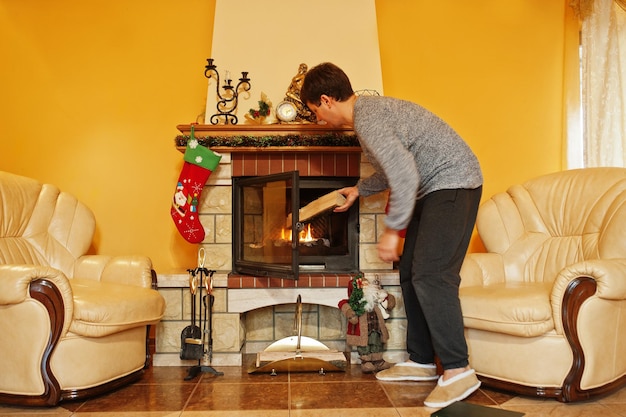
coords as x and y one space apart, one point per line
250 313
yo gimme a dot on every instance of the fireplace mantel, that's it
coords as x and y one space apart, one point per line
203 131
261 129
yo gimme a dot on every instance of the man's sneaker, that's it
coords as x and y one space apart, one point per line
409 371
454 389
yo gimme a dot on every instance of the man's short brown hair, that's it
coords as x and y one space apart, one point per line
325 79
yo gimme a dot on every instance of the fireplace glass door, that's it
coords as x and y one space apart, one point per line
270 239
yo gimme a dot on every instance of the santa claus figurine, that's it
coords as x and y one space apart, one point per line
366 309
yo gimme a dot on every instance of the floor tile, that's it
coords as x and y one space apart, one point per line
142 397
351 374
346 412
480 397
165 375
236 413
128 414
239 396
496 397
619 409
407 394
414 412
10 411
563 410
352 394
616 397
238 375
583 410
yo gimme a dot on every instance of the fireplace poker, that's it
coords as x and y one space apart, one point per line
208 307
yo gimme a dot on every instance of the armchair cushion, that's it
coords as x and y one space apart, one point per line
103 308
130 270
511 308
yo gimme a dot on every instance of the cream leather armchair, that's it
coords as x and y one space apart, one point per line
71 325
545 307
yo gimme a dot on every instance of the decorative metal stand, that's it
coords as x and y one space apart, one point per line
228 100
204 278
298 354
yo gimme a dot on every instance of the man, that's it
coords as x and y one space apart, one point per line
435 184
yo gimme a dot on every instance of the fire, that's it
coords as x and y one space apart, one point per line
305 235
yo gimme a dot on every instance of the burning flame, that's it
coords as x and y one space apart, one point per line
305 235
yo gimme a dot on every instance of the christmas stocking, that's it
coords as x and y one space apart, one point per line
199 163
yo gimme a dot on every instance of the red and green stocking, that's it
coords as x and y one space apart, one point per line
199 163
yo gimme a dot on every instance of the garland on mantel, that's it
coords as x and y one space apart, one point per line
329 139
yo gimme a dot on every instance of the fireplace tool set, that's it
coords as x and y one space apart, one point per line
298 353
197 340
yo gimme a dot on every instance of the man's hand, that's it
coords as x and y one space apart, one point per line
388 246
351 194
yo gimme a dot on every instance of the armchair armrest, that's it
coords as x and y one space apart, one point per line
608 275
586 286
16 281
482 269
129 270
38 299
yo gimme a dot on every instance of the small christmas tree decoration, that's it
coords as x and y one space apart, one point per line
355 300
199 163
258 116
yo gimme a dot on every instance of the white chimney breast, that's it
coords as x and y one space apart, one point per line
270 39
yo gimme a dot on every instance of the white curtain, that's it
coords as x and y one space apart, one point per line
604 83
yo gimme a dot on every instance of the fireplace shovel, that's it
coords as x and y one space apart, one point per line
191 336
298 353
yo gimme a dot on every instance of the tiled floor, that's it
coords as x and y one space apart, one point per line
164 392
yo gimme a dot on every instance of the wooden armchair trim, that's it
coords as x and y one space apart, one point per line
579 290
49 295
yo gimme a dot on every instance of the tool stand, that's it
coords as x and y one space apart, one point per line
203 278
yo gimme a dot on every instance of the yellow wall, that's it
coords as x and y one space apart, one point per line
493 69
92 93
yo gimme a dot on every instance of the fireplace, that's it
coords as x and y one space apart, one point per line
253 310
270 240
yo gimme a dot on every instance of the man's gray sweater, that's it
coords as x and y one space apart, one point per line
414 153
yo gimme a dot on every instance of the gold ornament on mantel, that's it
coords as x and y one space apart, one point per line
261 115
304 115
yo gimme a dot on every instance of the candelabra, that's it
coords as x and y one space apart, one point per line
228 100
